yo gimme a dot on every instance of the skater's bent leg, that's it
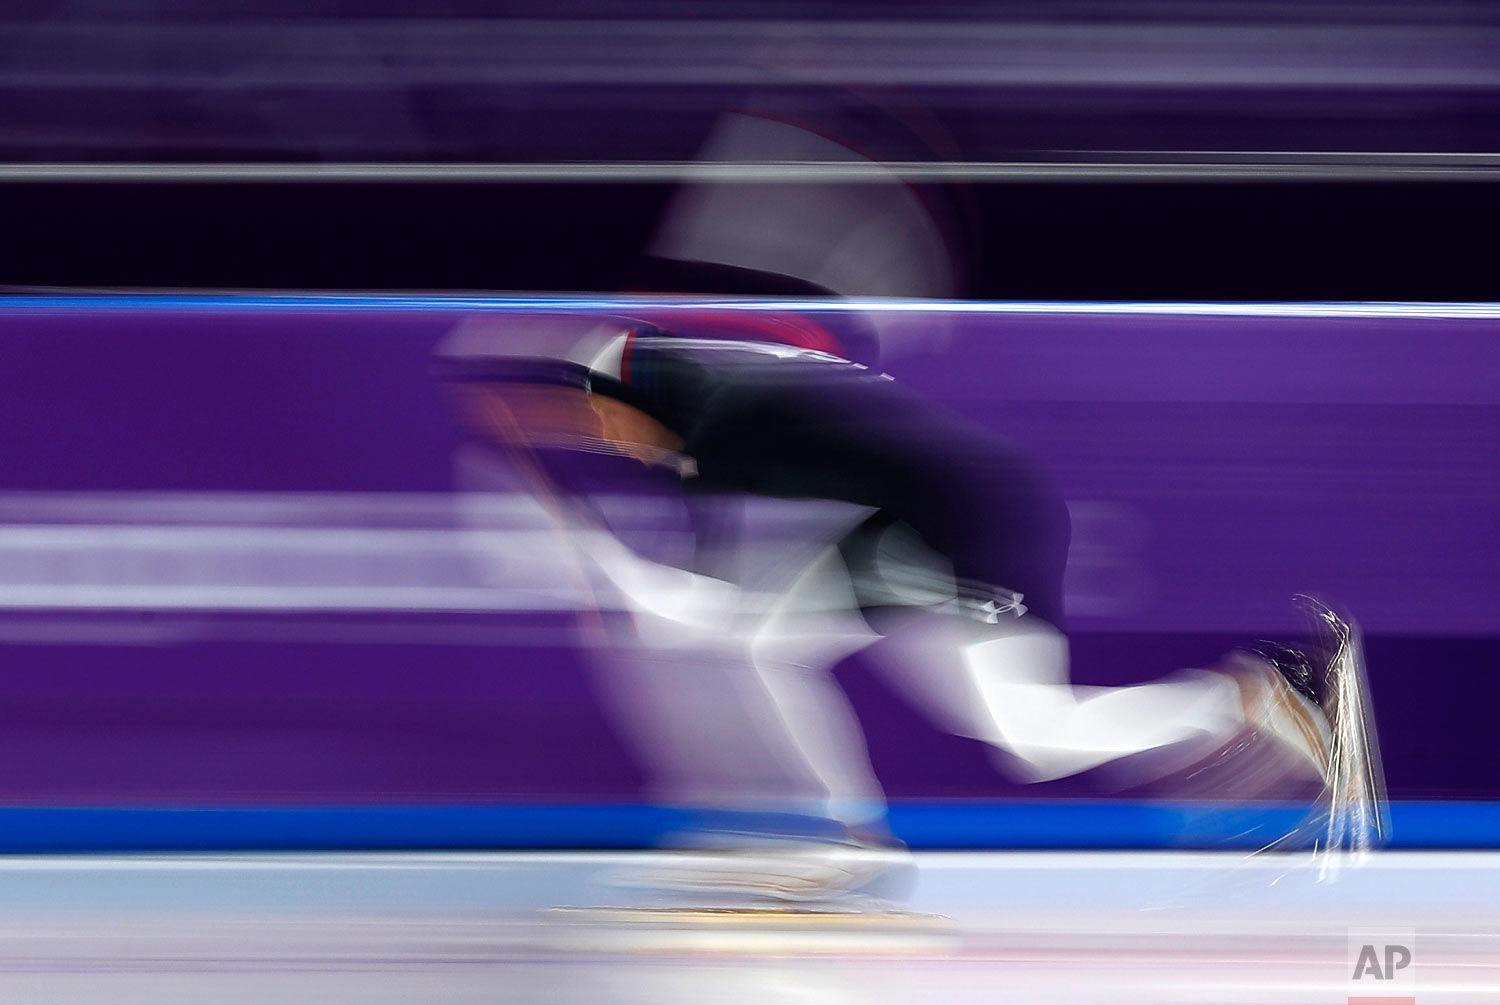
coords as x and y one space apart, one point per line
668 653
812 628
700 727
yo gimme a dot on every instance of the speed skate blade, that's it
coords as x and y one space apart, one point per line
1353 816
777 875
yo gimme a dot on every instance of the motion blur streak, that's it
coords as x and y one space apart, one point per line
1166 167
586 81
311 53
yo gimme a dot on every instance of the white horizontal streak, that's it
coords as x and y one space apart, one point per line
301 539
283 598
1433 167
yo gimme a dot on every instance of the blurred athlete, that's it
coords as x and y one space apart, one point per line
959 550
954 542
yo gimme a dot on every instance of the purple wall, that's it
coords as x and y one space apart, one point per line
1216 464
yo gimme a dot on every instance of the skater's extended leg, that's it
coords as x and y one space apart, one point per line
1054 729
1007 685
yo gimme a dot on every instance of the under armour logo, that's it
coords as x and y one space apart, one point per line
1012 606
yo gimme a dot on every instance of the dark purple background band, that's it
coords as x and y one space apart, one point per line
1216 466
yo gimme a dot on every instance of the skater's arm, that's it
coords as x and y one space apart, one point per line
542 415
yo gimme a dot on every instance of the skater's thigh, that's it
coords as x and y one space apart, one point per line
975 499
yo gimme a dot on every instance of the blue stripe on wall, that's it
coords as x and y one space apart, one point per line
524 302
923 825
